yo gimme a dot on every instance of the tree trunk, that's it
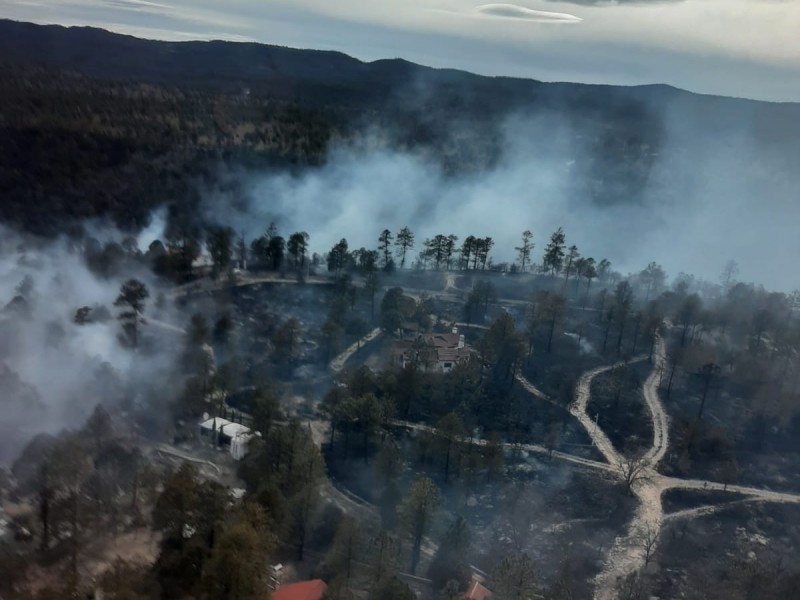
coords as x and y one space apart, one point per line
635 336
44 516
617 390
73 523
703 399
552 330
415 551
135 491
447 462
671 375
586 297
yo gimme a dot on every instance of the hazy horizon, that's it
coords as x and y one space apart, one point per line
735 48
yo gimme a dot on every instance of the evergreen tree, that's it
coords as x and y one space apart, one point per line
132 295
417 514
524 250
385 248
404 242
554 252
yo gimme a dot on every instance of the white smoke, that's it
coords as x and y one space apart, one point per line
53 372
696 209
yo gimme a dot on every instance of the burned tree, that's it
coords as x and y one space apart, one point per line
633 470
417 514
132 295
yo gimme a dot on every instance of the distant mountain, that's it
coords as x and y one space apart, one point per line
323 77
94 122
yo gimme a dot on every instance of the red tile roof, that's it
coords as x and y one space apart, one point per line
476 591
303 590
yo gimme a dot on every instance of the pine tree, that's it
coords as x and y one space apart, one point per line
554 252
404 242
524 251
384 248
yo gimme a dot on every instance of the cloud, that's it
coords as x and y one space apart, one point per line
513 11
617 2
135 4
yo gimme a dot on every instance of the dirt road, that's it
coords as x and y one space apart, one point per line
583 393
660 420
337 364
629 552
534 391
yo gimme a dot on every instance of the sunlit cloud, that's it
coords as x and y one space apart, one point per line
513 11
134 4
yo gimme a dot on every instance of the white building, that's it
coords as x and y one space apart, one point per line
227 433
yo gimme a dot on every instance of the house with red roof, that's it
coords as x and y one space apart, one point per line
302 590
476 591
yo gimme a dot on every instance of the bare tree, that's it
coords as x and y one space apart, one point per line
632 587
649 539
729 273
633 470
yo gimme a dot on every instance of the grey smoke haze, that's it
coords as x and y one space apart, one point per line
52 371
699 207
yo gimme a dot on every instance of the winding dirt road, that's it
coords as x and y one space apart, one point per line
583 393
629 552
660 420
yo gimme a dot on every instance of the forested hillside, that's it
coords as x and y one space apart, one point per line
99 124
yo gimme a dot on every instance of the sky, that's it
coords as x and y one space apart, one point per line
745 48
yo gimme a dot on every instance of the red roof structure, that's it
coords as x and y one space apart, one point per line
302 590
476 591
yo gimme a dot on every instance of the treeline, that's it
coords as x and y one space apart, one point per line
443 253
75 147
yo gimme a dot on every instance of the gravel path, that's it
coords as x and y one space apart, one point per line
337 364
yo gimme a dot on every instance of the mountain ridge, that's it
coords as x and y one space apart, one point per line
97 124
26 41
